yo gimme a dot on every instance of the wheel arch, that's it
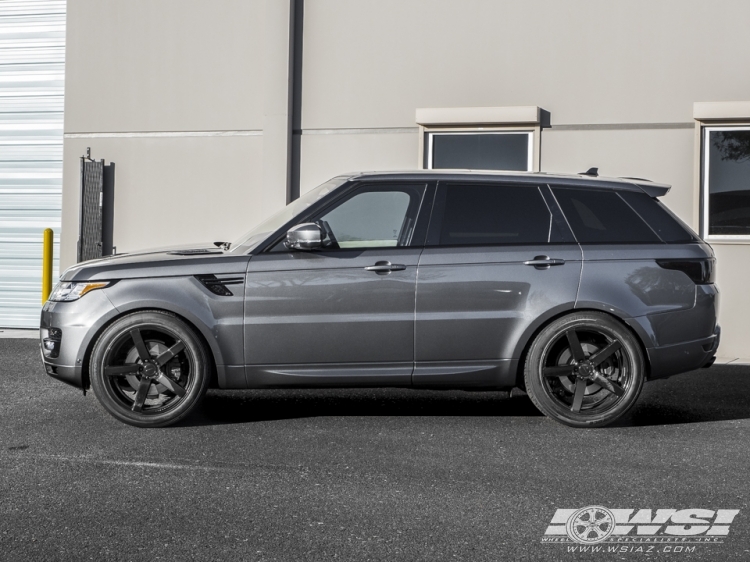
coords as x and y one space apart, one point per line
534 329
209 344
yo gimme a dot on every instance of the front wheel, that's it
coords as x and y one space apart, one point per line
149 369
585 370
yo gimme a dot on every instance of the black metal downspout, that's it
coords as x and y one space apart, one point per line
295 99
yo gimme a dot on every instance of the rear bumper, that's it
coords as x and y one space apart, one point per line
669 360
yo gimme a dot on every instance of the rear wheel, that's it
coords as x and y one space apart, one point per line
149 369
585 370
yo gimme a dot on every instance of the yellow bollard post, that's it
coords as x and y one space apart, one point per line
47 264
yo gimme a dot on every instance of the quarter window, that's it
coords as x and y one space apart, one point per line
668 227
726 182
602 217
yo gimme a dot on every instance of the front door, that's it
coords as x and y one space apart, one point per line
498 258
343 314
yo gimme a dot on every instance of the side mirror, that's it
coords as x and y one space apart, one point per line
305 236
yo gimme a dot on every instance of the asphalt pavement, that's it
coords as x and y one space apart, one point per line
387 474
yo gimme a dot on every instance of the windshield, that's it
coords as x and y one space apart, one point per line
251 239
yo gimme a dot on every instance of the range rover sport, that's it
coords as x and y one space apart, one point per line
576 288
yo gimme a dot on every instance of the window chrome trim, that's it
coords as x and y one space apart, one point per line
705 161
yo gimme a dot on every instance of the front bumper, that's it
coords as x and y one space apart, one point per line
77 323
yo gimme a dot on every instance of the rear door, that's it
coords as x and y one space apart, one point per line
499 259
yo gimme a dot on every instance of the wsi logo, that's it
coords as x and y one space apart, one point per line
596 524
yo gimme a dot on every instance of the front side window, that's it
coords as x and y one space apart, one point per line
726 182
512 150
491 214
373 217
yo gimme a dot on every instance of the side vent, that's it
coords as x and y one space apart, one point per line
218 285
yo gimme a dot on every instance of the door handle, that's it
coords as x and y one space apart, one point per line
385 267
544 262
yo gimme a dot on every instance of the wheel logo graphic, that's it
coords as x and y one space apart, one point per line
590 525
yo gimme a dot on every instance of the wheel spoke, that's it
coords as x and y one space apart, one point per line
140 396
612 386
575 345
598 357
578 397
170 384
164 358
143 353
116 371
558 371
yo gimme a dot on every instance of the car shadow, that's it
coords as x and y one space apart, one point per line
721 393
222 407
717 394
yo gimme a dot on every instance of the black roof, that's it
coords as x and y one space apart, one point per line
631 184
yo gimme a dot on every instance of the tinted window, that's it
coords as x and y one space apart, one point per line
728 163
493 214
658 217
602 217
481 151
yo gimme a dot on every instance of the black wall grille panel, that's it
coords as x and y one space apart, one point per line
92 185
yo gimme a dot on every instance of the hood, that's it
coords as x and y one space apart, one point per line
159 262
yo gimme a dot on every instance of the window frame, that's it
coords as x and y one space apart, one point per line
438 215
414 206
346 192
427 134
704 183
616 192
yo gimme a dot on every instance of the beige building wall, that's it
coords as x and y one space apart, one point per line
619 80
174 93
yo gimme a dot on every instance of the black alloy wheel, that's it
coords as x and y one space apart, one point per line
149 369
585 370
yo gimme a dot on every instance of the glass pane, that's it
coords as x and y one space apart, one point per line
658 217
599 217
493 214
729 182
481 151
371 219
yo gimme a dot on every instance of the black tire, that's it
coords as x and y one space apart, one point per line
154 382
591 384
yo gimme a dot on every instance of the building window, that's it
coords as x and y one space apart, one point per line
480 138
474 150
726 183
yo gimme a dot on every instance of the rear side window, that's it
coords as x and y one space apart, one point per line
601 217
658 218
482 214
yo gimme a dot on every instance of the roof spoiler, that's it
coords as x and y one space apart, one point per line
651 188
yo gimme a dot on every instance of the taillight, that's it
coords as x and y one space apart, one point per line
701 271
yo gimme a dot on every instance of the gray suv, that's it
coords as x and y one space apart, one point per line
577 289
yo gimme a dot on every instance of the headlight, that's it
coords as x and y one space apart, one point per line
67 291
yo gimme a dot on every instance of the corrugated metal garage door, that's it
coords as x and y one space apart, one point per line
32 59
